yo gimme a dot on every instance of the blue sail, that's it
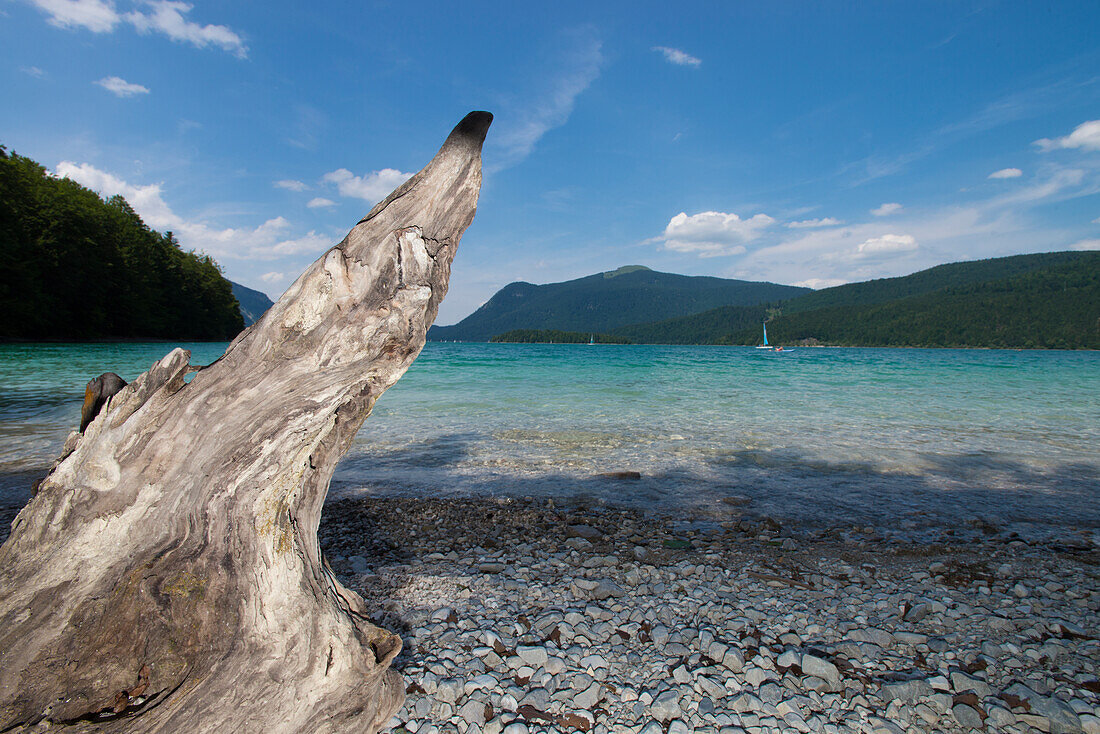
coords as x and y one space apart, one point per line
765 333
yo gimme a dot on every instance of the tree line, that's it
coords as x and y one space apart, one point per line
546 336
76 266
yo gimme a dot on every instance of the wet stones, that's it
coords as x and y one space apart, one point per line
698 643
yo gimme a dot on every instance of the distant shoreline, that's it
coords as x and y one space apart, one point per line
785 347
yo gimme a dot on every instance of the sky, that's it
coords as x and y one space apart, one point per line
801 143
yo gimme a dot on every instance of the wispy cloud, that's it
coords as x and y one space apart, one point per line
290 185
887 209
120 87
372 187
1086 245
267 241
814 223
32 71
320 202
1007 173
678 57
1085 136
165 17
1050 88
96 16
550 103
713 233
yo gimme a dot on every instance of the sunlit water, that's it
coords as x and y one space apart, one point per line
890 436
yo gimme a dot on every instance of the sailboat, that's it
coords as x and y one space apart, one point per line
765 345
591 339
769 347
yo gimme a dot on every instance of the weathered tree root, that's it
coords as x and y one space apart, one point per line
167 576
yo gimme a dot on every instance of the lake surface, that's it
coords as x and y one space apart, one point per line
892 437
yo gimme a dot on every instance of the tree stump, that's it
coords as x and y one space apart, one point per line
167 575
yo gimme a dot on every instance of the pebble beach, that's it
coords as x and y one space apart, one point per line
521 616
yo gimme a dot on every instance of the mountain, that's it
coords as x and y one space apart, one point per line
956 275
78 267
602 302
253 304
1049 300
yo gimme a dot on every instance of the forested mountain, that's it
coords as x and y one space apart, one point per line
952 275
253 303
599 303
73 266
1050 300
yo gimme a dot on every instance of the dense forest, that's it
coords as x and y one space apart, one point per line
603 302
73 266
716 326
1050 300
552 336
1056 307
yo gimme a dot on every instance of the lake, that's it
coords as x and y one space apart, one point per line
898 438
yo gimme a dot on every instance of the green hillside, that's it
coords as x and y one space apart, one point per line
717 326
952 275
1050 300
73 266
602 302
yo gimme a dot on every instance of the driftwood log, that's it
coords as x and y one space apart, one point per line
167 575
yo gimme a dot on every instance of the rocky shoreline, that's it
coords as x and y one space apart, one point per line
519 616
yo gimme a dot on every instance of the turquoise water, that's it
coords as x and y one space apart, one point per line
893 436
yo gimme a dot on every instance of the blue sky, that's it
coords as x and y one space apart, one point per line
809 143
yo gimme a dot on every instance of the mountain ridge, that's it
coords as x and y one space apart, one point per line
604 301
1043 300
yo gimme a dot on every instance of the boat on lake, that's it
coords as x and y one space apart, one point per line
765 345
770 347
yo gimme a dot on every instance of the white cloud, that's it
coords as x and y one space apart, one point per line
273 278
551 103
887 209
32 71
290 185
265 242
1007 173
1085 136
167 18
120 87
887 243
678 57
1001 224
320 201
95 15
713 233
310 243
372 187
1059 182
819 283
100 16
1096 221
814 223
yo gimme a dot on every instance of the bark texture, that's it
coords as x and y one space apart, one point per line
167 576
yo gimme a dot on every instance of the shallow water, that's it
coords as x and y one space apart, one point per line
887 435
